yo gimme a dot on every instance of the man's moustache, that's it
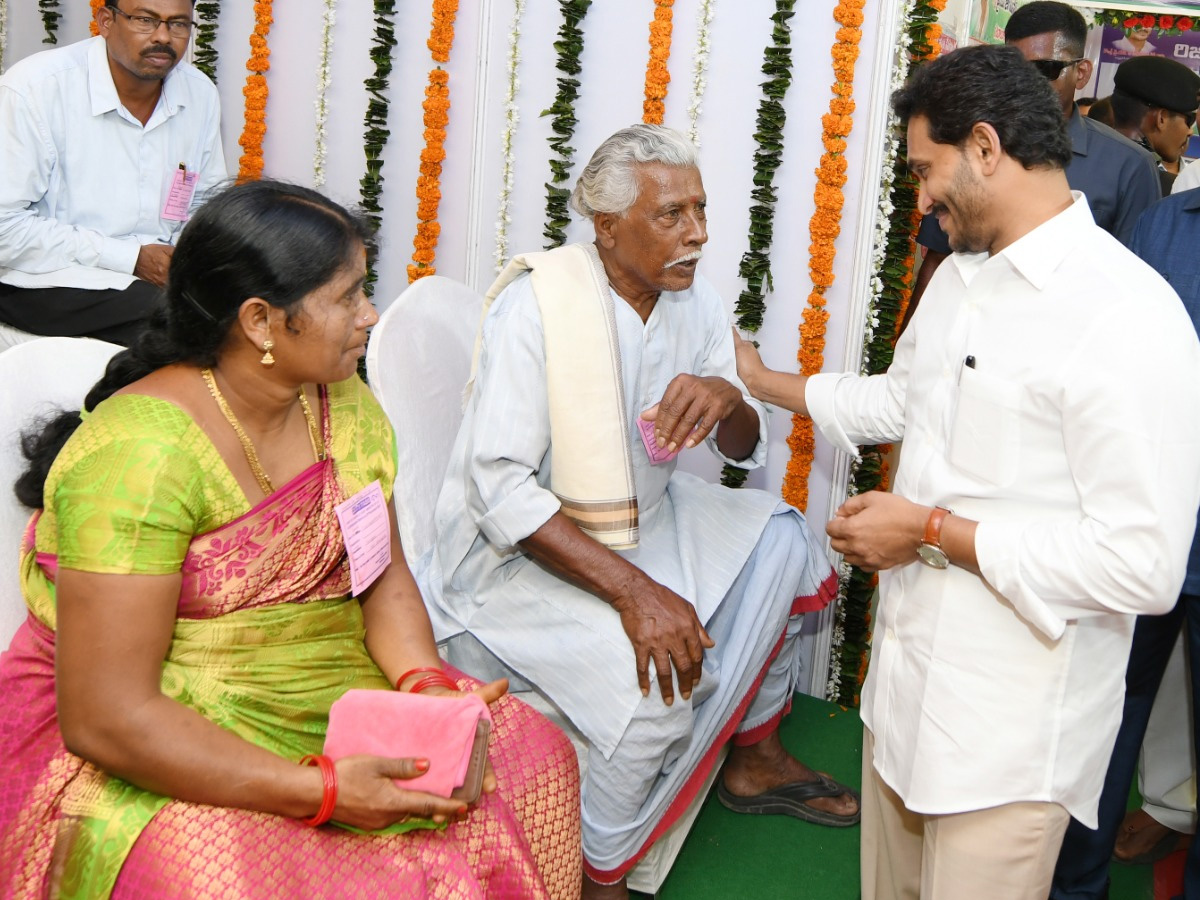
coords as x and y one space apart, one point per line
160 48
688 258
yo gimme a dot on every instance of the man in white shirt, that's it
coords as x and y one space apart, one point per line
108 145
1048 393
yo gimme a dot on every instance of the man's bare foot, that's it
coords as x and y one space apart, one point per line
594 891
1143 839
752 770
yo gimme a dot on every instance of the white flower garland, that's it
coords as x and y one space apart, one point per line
321 103
900 69
511 117
699 67
3 31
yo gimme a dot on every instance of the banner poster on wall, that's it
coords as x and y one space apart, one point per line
990 19
1120 44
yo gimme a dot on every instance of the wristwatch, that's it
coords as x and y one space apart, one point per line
930 549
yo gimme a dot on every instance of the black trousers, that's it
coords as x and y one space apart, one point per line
111 315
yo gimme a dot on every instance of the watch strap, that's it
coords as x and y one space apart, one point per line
933 527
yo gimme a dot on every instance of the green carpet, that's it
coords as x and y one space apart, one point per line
777 858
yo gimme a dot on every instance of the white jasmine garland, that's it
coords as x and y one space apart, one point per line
511 117
886 208
321 103
699 67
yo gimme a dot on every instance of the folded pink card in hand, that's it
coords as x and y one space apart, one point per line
656 453
400 724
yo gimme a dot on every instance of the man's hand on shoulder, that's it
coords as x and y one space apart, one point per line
664 627
152 263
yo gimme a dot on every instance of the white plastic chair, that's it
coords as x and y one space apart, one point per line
40 377
418 362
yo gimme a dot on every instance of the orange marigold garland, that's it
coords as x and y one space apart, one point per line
92 26
824 228
437 116
250 166
657 74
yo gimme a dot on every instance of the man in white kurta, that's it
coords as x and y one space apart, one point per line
1048 393
740 564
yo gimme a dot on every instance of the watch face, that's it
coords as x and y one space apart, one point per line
933 556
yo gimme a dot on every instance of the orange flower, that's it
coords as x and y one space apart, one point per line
441 33
657 74
436 107
93 27
250 166
823 229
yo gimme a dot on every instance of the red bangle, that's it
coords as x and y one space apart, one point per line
329 788
435 670
428 681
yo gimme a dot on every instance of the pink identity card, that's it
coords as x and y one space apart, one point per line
367 532
657 454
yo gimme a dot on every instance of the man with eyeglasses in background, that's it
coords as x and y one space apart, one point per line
109 144
1154 103
1118 178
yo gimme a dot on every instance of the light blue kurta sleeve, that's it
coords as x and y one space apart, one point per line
510 438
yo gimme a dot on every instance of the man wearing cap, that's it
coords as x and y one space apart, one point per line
1116 175
1154 103
108 144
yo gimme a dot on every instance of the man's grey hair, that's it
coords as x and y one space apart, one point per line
608 183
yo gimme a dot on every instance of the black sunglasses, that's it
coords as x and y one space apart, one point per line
1190 118
1052 68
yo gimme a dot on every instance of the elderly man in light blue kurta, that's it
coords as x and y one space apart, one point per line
658 611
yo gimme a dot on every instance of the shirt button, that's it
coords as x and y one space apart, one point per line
890 634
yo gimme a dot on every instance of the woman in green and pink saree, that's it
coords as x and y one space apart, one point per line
191 617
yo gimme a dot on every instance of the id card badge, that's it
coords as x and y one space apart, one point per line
367 531
179 197
656 453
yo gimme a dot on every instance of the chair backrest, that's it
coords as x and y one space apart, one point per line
39 377
418 362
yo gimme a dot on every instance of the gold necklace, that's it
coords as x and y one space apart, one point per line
260 474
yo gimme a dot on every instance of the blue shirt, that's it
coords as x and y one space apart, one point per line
1167 237
1119 179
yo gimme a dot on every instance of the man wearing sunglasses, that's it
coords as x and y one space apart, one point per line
108 145
1118 177
1154 103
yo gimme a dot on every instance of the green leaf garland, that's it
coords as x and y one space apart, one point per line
50 19
569 46
755 266
205 58
376 135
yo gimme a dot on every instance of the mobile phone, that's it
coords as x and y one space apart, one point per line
468 791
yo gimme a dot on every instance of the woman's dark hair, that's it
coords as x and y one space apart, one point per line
265 239
994 85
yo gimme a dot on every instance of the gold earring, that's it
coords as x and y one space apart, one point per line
267 359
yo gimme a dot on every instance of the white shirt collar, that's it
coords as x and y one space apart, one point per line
103 91
1038 253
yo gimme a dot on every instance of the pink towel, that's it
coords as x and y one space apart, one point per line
399 724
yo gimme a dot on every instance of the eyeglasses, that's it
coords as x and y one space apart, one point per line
1052 68
1190 118
177 28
